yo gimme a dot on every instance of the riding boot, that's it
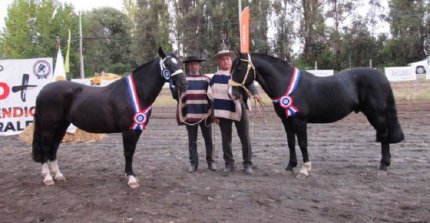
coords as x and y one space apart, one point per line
248 169
212 166
229 167
192 168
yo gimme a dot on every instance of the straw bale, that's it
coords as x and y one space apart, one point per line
78 136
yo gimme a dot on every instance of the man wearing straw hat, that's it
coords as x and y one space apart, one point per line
226 111
194 110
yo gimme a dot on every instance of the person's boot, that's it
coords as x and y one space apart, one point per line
192 168
229 167
212 166
248 169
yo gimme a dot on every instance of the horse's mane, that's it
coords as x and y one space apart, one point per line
272 60
152 61
144 65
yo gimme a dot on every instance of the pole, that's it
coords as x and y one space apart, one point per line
81 56
239 2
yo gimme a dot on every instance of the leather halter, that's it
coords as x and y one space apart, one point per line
165 73
250 66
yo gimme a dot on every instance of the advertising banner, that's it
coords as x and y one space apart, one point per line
400 74
20 83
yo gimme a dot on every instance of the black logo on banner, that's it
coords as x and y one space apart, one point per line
23 87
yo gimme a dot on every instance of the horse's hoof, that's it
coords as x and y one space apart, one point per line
302 176
60 178
133 185
289 171
382 173
132 182
48 182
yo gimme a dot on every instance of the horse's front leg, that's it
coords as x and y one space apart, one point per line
130 139
47 177
55 170
291 137
386 158
302 137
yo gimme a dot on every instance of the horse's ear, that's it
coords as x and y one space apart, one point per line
161 52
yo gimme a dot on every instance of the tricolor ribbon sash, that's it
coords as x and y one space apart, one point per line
286 101
141 116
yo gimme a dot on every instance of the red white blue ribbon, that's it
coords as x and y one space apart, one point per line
286 101
141 116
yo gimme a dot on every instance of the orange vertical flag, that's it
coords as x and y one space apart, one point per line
244 31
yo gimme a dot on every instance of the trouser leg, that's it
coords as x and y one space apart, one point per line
192 144
207 136
242 128
225 127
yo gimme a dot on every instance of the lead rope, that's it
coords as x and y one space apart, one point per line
185 122
259 114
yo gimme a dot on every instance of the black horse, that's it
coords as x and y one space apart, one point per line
300 97
123 106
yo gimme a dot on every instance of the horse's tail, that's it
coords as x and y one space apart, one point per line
37 152
395 132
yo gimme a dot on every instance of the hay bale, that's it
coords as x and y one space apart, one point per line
78 136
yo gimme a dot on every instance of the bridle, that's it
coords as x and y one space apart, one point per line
231 82
165 73
250 67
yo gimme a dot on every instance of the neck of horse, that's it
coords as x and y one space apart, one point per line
272 74
149 82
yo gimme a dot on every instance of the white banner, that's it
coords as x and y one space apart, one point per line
321 73
20 83
400 73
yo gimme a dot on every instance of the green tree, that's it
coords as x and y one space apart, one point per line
260 11
338 12
359 46
312 30
32 28
284 34
106 41
407 25
153 29
189 31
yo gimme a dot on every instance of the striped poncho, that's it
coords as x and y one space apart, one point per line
224 107
194 102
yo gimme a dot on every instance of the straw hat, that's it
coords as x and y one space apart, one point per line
190 59
223 53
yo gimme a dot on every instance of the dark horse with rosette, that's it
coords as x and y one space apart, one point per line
300 98
123 106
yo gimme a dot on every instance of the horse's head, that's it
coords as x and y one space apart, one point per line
242 75
173 65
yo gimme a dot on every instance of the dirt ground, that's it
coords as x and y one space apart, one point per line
343 186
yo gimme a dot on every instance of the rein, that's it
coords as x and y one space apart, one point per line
250 66
231 82
185 122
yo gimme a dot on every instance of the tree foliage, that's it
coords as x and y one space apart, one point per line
107 40
407 26
330 33
32 28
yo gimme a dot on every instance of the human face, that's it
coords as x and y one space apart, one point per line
194 67
224 63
